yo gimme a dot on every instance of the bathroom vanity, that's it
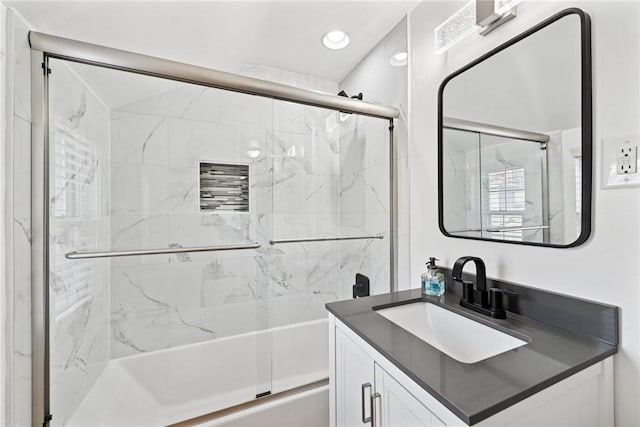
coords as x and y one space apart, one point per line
510 170
402 359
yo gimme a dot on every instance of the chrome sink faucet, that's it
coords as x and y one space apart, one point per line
481 300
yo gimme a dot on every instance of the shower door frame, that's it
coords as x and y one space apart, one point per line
516 134
45 47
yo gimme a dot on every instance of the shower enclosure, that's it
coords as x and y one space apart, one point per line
501 181
191 235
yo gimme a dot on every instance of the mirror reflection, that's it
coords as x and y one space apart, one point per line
512 141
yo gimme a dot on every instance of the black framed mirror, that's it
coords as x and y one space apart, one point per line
515 139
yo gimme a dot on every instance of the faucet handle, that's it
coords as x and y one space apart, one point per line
467 291
495 298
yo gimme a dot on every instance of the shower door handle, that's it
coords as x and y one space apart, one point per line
362 399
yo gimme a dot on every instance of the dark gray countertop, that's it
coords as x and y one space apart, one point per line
475 391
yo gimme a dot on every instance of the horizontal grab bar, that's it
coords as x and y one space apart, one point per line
111 254
326 239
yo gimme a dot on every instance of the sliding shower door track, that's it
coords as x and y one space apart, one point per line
251 404
107 57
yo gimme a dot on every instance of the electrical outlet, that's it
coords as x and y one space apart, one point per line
620 161
627 160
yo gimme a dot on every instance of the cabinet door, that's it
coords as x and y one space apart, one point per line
354 383
396 407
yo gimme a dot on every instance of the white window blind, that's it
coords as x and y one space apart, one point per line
75 194
506 198
74 208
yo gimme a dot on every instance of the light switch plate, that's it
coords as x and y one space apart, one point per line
620 162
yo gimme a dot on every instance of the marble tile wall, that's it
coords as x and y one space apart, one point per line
364 169
4 300
364 202
80 343
305 204
147 197
17 169
164 301
556 188
461 182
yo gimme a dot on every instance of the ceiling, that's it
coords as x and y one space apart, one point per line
223 35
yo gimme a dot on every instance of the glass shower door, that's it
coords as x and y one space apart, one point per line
305 270
149 324
462 198
514 189
152 165
330 181
495 187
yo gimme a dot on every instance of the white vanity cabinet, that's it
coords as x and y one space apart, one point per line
397 406
366 389
366 394
354 382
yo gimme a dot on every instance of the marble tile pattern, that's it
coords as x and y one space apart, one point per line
138 187
15 66
6 306
80 301
461 182
293 153
364 202
557 230
364 176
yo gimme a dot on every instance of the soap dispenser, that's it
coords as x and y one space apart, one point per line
432 279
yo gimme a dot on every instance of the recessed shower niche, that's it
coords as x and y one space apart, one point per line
224 187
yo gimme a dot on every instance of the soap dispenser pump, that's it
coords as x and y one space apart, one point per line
432 280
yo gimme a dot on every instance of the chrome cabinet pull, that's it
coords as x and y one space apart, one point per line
374 415
363 388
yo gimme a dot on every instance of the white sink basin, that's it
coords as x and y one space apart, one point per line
462 339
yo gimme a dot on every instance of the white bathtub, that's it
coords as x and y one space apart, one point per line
308 408
172 385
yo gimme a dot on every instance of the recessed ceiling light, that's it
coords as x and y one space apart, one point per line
399 59
335 39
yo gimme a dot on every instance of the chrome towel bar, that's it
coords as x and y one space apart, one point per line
325 239
504 230
111 254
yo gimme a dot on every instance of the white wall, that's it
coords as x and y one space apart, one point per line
529 71
606 267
